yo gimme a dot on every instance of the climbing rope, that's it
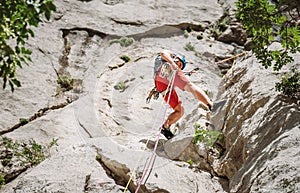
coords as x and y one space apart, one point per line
139 160
230 58
150 162
158 135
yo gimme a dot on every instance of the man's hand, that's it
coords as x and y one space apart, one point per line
167 55
174 66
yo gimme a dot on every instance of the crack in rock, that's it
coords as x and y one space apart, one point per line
63 60
87 182
40 113
85 129
14 174
91 32
118 172
164 31
107 115
65 80
112 2
108 102
117 66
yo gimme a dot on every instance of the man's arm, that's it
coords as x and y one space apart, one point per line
167 56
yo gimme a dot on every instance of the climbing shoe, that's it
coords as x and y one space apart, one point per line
210 107
166 132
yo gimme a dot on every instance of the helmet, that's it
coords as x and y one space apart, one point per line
182 59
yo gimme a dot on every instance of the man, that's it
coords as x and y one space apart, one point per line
166 64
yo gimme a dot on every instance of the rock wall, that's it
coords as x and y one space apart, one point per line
99 128
102 122
261 129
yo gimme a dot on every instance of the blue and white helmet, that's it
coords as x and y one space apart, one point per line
182 59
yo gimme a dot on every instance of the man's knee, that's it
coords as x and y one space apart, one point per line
179 109
182 111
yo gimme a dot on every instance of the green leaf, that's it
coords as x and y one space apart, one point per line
11 86
31 32
17 49
48 15
16 18
4 82
19 63
263 21
51 6
16 82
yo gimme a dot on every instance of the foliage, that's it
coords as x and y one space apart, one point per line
218 28
205 136
17 16
121 86
185 34
123 41
268 22
189 47
65 82
190 162
290 84
196 125
189 29
30 153
24 121
125 58
200 36
2 180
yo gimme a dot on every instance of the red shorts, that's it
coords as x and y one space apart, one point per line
162 84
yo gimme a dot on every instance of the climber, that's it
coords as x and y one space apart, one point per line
167 63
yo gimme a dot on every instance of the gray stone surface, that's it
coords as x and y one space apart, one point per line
102 131
261 130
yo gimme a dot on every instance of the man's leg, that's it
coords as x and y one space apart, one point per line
175 116
198 93
175 103
172 118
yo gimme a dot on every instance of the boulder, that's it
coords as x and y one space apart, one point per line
234 33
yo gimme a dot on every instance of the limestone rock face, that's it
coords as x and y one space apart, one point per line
100 119
261 129
106 132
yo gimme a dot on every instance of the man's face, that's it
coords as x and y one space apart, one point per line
178 62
